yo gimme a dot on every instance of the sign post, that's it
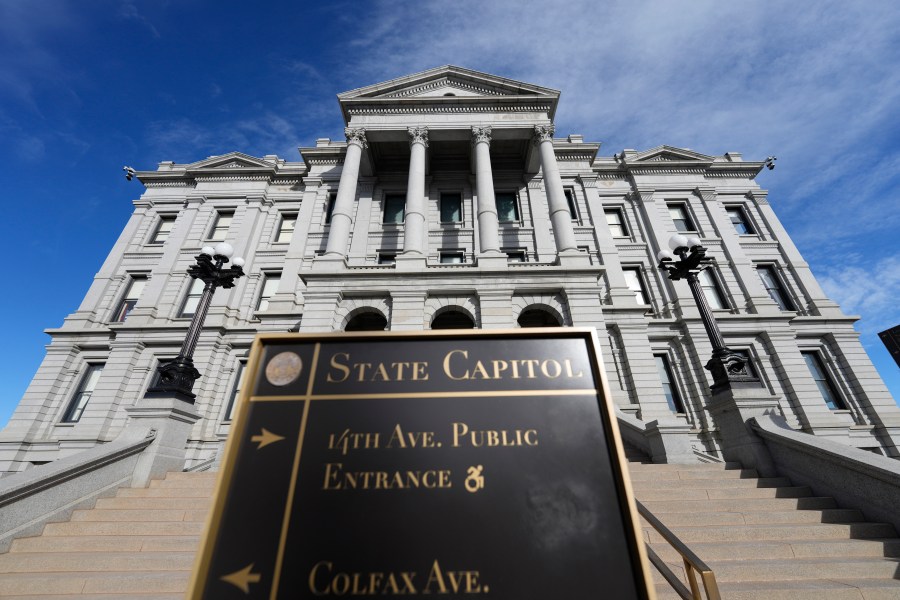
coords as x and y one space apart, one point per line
457 464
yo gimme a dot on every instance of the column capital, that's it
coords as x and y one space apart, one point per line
481 134
356 135
544 133
418 135
706 194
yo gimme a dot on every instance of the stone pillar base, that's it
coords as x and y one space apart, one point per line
573 258
493 259
670 442
410 261
329 262
172 419
731 408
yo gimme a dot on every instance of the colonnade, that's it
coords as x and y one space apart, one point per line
415 229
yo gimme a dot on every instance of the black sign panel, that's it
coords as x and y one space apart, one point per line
453 464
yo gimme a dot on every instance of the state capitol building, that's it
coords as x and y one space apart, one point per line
454 203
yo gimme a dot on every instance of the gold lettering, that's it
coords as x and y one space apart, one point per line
568 363
435 576
472 585
556 365
398 436
312 578
418 371
361 370
332 475
380 372
529 363
528 439
479 368
340 367
459 430
407 582
499 367
465 354
399 366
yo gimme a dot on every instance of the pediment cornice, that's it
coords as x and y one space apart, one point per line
235 166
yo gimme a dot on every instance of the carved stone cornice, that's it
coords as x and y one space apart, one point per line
356 135
481 134
543 133
759 196
706 194
418 135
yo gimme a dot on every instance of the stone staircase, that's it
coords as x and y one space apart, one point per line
764 539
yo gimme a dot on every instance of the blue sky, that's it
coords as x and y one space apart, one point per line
87 87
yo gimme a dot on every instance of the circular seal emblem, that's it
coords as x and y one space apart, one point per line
284 368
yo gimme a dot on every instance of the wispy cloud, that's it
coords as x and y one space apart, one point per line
869 289
128 11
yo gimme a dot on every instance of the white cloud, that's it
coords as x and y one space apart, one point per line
869 289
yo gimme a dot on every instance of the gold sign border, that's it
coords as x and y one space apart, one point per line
203 559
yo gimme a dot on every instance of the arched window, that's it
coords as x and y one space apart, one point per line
452 319
367 321
536 317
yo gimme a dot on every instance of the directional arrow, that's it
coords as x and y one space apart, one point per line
265 437
243 578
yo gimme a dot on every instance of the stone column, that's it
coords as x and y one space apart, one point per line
414 222
342 216
488 223
556 197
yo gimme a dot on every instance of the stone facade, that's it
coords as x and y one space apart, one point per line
502 224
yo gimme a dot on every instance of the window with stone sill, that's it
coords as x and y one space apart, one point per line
507 207
772 282
615 219
286 228
451 208
394 208
515 255
669 385
269 287
739 220
678 211
635 282
192 298
570 201
329 206
163 229
823 380
711 290
132 294
452 257
235 391
221 225
85 390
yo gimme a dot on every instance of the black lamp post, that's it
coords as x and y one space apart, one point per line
177 377
728 368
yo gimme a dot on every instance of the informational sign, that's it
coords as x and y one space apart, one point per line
436 464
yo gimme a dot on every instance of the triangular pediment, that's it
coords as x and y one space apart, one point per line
448 81
669 154
233 161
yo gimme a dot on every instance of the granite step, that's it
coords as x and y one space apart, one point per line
107 543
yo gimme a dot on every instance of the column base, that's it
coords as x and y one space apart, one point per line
329 262
411 261
573 258
493 259
670 442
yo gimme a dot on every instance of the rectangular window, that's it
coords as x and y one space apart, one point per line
616 221
679 214
451 208
163 229
135 287
329 206
452 257
269 287
507 207
232 400
773 286
220 226
826 387
192 299
83 395
286 228
739 220
394 208
636 284
711 289
515 255
670 389
387 258
570 200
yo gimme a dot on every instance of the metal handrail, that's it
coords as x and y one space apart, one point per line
693 565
